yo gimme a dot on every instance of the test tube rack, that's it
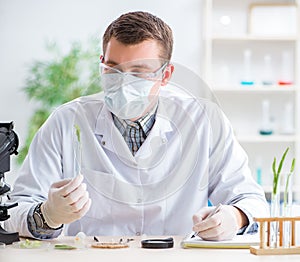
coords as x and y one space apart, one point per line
265 247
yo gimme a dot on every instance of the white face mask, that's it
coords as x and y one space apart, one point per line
126 96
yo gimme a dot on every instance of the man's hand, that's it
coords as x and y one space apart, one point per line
67 201
222 225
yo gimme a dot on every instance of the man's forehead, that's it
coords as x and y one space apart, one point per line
138 63
138 54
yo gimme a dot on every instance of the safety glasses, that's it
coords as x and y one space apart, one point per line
139 71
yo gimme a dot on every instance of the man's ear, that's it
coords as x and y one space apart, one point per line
167 74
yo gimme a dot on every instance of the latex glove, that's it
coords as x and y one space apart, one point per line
222 225
67 201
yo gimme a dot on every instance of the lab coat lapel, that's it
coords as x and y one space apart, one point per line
111 138
156 142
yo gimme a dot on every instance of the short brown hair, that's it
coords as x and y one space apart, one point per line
135 27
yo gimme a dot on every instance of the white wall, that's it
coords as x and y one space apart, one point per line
25 25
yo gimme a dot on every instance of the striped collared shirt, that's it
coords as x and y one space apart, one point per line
135 132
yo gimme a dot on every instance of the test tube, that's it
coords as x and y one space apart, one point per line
267 78
266 127
247 78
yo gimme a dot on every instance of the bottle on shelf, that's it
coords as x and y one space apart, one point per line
267 78
286 74
288 123
247 77
266 125
258 170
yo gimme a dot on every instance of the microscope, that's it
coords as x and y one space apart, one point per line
9 143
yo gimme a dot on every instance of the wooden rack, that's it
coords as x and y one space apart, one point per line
265 247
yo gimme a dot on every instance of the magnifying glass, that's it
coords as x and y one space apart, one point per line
158 243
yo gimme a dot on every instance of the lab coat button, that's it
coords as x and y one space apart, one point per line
164 140
138 233
103 143
139 200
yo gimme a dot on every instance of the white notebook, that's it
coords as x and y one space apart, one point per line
239 241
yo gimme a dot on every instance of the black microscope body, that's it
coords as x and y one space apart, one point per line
9 143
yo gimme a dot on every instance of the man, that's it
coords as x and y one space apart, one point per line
139 158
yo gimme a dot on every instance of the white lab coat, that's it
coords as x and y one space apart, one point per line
190 156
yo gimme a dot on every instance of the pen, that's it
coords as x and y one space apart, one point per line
215 210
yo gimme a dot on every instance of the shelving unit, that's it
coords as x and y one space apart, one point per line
227 36
253 89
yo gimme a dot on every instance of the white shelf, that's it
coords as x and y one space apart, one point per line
267 138
269 188
254 88
253 38
223 68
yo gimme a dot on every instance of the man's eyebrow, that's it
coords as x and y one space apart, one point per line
130 64
111 62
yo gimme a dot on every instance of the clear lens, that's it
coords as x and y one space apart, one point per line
105 69
141 69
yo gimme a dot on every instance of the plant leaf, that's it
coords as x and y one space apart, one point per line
77 128
281 161
293 165
274 167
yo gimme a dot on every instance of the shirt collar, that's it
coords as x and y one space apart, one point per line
121 124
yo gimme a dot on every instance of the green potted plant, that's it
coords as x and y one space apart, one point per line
275 198
58 80
276 183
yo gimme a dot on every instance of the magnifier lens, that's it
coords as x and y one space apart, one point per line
158 243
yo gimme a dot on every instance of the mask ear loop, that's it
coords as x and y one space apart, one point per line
101 58
163 73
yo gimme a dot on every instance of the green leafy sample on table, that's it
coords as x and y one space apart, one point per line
30 244
64 247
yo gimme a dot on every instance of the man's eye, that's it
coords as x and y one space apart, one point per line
135 71
139 71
